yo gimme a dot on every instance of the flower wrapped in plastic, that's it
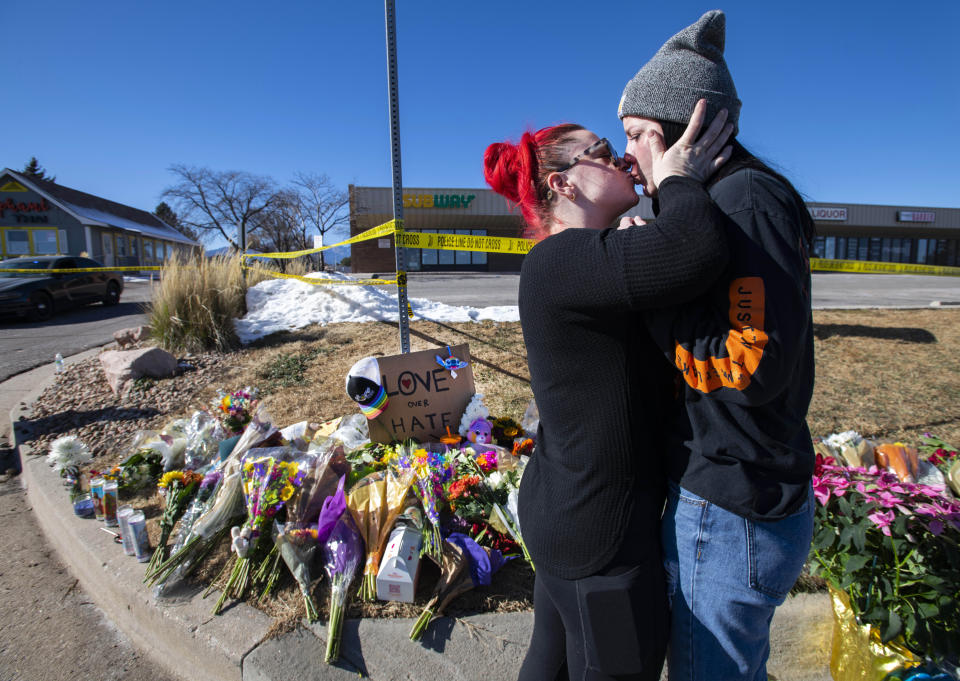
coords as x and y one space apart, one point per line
203 434
319 496
235 410
375 502
464 565
893 547
181 561
177 489
342 553
67 454
269 478
432 467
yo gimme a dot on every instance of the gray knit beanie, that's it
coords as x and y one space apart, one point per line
688 67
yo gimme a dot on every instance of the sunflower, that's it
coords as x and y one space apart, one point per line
169 478
286 492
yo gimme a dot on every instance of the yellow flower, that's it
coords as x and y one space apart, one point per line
286 492
169 478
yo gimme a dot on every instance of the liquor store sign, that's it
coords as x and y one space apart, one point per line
827 213
438 200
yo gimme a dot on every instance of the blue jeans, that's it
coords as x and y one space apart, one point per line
725 577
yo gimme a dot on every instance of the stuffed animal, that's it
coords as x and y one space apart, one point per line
480 432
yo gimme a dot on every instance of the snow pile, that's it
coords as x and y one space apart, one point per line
288 304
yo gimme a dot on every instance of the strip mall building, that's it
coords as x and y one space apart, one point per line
846 231
38 217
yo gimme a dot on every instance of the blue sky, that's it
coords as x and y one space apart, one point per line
854 101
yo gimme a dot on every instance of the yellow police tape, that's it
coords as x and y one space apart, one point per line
372 233
465 242
866 267
74 270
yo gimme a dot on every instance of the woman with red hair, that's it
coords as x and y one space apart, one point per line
593 491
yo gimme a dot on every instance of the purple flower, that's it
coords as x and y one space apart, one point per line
343 549
483 562
882 519
333 508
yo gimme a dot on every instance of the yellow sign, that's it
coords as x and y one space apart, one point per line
13 186
438 200
465 242
823 265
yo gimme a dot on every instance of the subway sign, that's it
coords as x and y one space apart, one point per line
827 213
437 200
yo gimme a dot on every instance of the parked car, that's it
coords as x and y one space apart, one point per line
40 295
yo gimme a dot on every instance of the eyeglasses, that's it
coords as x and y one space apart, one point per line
599 149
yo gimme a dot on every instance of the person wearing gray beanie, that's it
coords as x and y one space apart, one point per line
689 66
738 522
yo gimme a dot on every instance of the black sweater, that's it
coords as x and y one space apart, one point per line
746 353
597 377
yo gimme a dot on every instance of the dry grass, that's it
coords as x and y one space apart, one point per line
197 299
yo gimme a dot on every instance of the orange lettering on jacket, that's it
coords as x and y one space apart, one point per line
744 345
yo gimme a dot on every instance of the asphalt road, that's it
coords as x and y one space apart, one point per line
25 344
830 289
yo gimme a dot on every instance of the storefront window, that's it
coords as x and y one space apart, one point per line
818 246
462 257
147 252
885 252
121 246
863 246
876 246
17 242
478 258
428 256
446 257
45 241
952 253
134 251
830 248
841 251
921 251
852 248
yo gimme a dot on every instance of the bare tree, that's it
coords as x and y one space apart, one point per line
226 201
321 204
281 227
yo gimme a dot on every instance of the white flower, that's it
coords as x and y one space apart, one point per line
475 410
849 438
68 452
495 480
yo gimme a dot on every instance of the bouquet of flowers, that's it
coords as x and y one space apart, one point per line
893 547
177 488
138 469
464 565
235 410
179 564
67 455
308 515
432 469
375 502
342 553
498 491
203 434
268 480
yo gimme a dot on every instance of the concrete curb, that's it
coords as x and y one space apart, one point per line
180 633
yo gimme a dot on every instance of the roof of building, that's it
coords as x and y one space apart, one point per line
100 212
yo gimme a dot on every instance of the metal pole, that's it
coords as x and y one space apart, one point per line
397 175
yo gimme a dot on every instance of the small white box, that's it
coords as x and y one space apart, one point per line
400 566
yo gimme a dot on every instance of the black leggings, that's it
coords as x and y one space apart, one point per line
610 625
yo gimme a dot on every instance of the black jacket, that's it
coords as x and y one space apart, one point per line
598 379
745 351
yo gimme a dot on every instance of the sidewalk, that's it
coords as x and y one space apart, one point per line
180 633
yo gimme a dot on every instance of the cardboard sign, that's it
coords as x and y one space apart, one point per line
424 397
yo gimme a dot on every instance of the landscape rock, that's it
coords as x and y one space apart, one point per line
130 337
122 366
